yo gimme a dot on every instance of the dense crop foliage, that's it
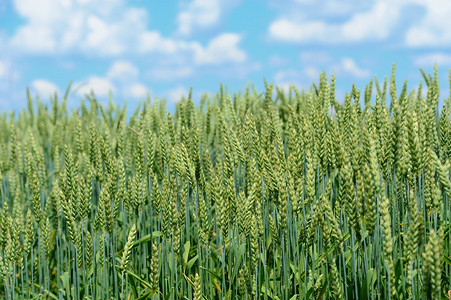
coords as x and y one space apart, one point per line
243 196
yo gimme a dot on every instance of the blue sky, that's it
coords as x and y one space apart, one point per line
135 47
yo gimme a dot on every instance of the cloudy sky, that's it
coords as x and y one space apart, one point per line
135 47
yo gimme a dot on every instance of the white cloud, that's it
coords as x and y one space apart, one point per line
74 32
348 65
435 28
37 39
363 22
115 34
40 33
103 27
222 49
176 94
198 14
439 58
292 31
202 14
44 88
100 36
121 78
41 11
123 70
374 24
152 41
138 90
100 85
111 28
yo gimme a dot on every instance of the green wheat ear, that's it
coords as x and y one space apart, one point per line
432 264
197 288
128 248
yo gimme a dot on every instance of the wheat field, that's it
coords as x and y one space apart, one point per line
246 195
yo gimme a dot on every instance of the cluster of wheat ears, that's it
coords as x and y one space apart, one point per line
243 196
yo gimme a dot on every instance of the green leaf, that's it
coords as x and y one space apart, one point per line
145 283
237 264
191 262
133 286
217 276
147 238
186 248
65 280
